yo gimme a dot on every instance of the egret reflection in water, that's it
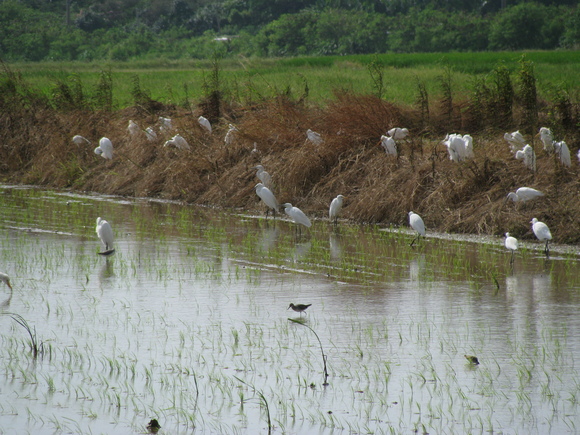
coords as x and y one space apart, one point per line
335 245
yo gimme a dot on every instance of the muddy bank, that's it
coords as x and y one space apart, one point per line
469 197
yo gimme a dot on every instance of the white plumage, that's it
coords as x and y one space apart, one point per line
542 232
389 144
150 133
166 124
178 141
524 194
516 140
528 155
5 279
547 139
105 148
80 140
398 133
203 121
314 137
133 128
335 208
417 224
105 233
264 176
267 197
511 243
563 153
297 215
230 135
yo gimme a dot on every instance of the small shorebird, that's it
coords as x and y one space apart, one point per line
472 359
300 308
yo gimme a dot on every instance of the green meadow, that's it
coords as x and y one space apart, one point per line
244 80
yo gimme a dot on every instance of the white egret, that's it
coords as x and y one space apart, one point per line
528 155
468 141
179 142
204 123
166 123
150 133
297 215
417 224
511 243
335 208
455 147
389 144
5 279
515 140
264 176
267 197
547 139
80 140
105 233
524 194
133 128
398 133
578 155
563 153
230 135
542 232
314 137
255 150
105 148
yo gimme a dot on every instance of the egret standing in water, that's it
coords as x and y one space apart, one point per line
511 243
105 148
417 224
335 208
543 233
267 197
6 280
105 233
297 215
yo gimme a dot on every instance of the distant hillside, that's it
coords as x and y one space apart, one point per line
33 30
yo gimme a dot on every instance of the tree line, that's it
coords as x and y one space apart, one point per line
36 30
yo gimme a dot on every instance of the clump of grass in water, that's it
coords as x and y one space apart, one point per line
321 349
34 345
263 402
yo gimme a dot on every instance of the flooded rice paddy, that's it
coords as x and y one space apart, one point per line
187 323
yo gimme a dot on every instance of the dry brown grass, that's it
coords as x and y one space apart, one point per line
36 148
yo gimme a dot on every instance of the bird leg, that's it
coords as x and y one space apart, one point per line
414 240
512 259
547 250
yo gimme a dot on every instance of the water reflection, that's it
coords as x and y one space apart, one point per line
182 322
335 243
269 236
106 271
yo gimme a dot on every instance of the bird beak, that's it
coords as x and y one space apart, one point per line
8 283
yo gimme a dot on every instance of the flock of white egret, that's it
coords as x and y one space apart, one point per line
460 148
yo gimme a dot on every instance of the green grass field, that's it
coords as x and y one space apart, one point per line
246 79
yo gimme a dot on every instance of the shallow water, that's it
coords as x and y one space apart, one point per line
188 323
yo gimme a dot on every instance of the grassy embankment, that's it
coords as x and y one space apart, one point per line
467 197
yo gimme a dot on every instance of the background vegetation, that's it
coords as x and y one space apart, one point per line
33 30
36 146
